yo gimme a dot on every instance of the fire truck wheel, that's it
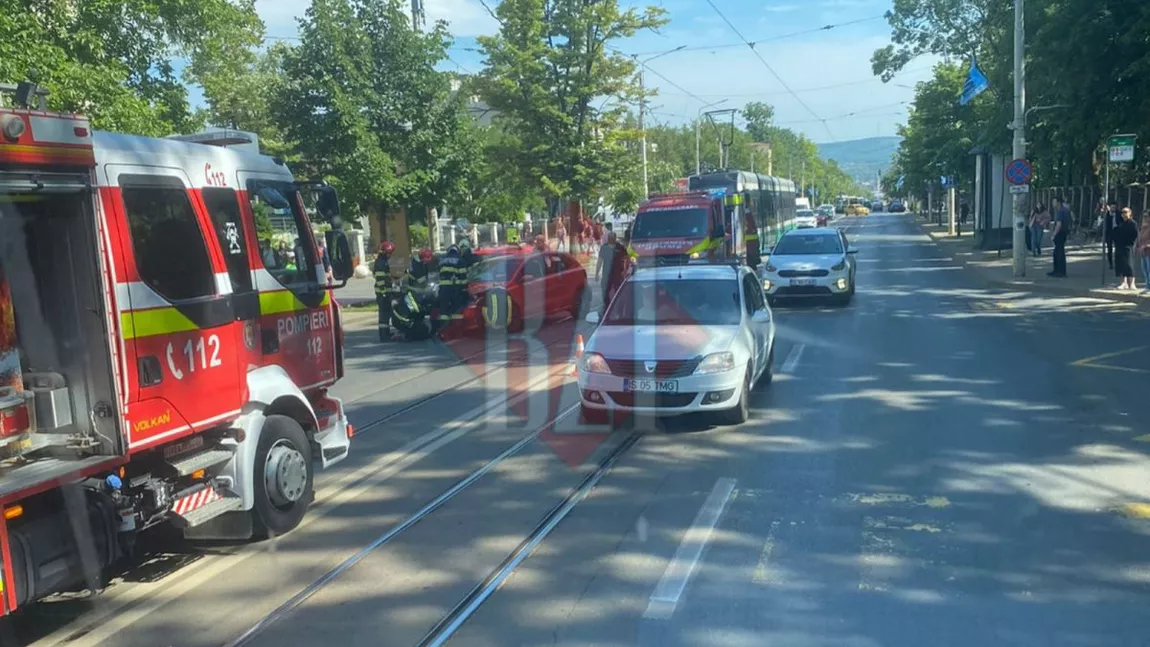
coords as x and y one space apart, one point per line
283 477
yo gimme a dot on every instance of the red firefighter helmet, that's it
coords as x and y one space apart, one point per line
425 255
387 248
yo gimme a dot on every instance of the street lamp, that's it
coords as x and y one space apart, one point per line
698 118
642 107
1057 106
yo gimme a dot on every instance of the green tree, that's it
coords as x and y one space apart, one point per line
362 98
560 89
242 96
113 60
1088 55
499 192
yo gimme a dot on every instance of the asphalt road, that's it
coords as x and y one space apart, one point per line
936 464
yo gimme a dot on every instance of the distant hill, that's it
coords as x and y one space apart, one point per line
862 159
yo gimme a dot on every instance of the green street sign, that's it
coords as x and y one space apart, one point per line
1121 148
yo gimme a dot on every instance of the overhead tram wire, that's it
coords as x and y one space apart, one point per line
771 69
770 39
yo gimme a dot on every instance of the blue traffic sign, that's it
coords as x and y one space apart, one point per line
1019 172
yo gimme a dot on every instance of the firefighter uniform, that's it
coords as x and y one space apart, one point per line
410 319
452 285
385 291
418 274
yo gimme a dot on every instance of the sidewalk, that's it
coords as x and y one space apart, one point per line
1083 267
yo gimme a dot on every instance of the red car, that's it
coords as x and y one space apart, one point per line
506 289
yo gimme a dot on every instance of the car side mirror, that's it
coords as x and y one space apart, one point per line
761 317
852 250
592 318
339 253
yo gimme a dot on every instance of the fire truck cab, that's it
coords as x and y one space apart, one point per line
167 339
698 226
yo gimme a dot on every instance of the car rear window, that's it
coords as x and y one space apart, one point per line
680 302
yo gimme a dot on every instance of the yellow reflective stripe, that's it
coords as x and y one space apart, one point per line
280 301
751 237
701 247
152 322
632 253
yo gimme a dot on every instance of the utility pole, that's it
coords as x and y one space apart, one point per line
642 108
417 15
803 180
643 129
1018 240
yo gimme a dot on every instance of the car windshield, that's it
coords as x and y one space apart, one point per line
680 302
670 223
495 270
797 244
805 213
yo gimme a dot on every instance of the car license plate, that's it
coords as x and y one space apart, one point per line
802 282
650 386
195 442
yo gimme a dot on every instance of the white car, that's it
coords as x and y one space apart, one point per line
810 263
806 219
677 340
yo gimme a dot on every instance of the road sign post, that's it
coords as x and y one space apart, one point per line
1119 150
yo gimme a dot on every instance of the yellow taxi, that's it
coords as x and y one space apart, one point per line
857 210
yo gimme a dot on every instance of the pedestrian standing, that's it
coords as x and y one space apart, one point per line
611 267
1142 247
1059 234
1038 221
1110 221
1125 234
561 236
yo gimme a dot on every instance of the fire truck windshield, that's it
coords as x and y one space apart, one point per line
670 223
286 245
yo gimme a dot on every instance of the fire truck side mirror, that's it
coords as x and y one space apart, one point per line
339 251
327 203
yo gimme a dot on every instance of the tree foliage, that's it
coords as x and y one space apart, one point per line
362 99
1086 55
672 154
113 60
561 91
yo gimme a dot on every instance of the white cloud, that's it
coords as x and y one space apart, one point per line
465 18
280 15
781 8
804 65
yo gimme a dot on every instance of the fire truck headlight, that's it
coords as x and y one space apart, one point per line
696 256
13 127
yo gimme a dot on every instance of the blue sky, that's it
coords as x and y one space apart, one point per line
829 71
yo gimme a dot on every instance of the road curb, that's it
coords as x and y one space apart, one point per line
1040 288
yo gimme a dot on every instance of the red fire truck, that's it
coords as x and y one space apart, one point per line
696 226
167 339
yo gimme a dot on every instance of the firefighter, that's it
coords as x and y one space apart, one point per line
384 288
468 259
410 320
419 271
452 285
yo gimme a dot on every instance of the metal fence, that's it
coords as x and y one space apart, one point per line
1084 200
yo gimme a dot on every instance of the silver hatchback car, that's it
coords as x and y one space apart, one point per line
676 340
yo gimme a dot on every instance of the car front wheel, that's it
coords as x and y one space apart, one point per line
739 413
